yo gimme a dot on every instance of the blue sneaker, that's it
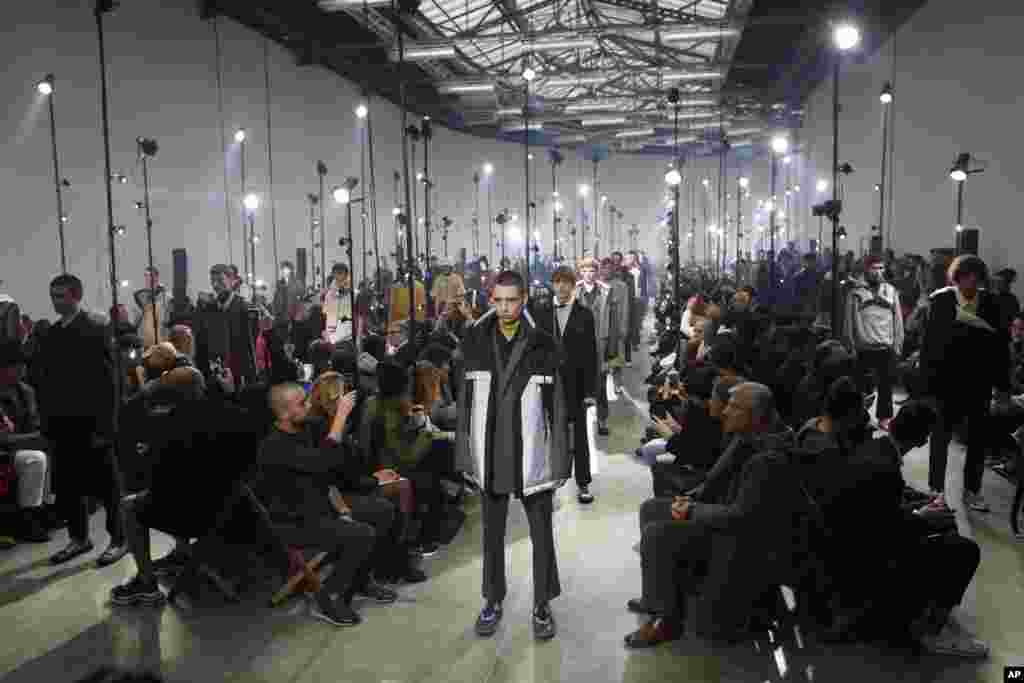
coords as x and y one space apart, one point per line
487 622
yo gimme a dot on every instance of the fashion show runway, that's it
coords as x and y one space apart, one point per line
59 628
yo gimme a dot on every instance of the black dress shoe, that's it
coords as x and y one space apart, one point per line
638 606
112 554
71 551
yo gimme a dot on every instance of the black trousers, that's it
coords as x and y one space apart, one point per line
81 470
348 543
955 558
426 478
580 447
539 509
878 364
387 559
951 410
670 552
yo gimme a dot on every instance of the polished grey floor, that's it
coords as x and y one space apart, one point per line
58 627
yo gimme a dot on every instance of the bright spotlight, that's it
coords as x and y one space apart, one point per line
673 177
488 168
558 206
584 190
342 195
780 144
240 136
744 183
529 74
787 160
958 174
251 202
822 185
45 86
396 211
705 182
846 36
886 95
362 112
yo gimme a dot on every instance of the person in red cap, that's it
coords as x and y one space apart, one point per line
874 332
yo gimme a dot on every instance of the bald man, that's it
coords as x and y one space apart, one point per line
297 466
677 532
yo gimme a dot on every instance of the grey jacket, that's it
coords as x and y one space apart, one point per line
602 310
512 433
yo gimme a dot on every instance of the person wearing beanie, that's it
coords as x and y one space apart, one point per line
874 332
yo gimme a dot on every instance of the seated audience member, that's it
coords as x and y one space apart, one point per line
319 356
183 342
676 532
362 493
396 444
22 444
831 361
844 422
296 472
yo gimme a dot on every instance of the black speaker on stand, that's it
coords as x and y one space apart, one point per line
969 241
181 306
301 266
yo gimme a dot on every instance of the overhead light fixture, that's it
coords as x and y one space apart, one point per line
45 86
529 74
886 96
736 132
510 111
488 168
673 177
418 53
603 121
698 34
341 5
362 112
584 190
512 127
455 88
570 139
562 44
676 76
240 135
744 183
846 36
821 185
566 81
591 106
251 202
343 194
635 133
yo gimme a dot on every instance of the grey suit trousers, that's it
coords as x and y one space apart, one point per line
671 551
539 509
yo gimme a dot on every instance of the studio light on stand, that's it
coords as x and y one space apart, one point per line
845 37
959 173
489 179
886 99
780 146
556 159
147 149
528 75
45 88
241 136
343 195
674 178
321 174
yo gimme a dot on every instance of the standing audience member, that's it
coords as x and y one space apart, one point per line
77 397
874 332
635 269
963 357
223 333
1006 300
22 442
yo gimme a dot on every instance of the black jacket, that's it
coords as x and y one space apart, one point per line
959 359
18 402
579 346
77 372
224 331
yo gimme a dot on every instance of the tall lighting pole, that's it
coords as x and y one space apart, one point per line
886 98
743 184
146 150
489 177
674 178
846 36
45 88
528 75
241 136
780 145
958 173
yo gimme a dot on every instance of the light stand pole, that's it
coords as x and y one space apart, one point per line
959 173
476 216
780 145
146 150
101 7
343 195
45 87
741 186
674 178
240 137
426 134
528 75
886 99
321 173
313 202
556 158
407 185
597 209
846 37
251 203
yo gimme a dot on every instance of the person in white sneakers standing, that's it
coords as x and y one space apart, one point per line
874 332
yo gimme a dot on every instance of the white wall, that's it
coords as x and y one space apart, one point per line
163 85
955 68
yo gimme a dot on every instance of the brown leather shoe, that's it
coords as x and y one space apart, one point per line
655 632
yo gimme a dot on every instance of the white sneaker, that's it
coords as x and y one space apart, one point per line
958 645
976 502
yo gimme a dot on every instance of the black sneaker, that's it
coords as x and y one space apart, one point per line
71 551
543 623
137 592
428 549
414 575
334 612
487 622
113 553
585 496
377 593
602 429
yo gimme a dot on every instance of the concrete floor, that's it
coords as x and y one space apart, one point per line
58 626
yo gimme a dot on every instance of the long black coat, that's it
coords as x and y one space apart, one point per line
579 348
